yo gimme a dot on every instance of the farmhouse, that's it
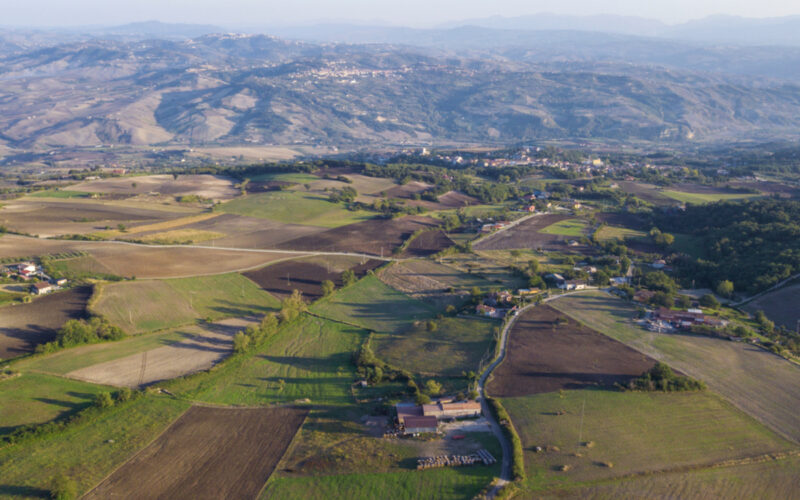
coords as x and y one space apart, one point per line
420 425
572 285
439 410
42 288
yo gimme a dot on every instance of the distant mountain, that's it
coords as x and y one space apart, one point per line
625 25
156 29
238 89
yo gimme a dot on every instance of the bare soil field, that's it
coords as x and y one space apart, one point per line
307 275
374 237
646 192
527 235
51 217
207 186
781 306
406 191
545 355
204 346
207 453
428 243
24 326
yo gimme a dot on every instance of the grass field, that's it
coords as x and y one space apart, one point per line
702 198
10 297
635 432
310 358
158 226
620 233
86 452
569 227
34 398
142 306
59 193
82 267
297 177
457 345
295 207
760 383
372 305
181 237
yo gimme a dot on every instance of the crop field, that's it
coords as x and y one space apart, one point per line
289 177
35 398
702 197
428 243
781 306
527 234
307 274
427 279
147 305
620 233
87 451
200 347
605 434
374 237
310 358
548 352
364 185
55 217
372 305
568 227
456 345
82 267
59 193
647 192
180 237
206 186
24 326
201 455
758 382
295 207
770 479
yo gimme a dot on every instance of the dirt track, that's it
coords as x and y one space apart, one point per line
207 453
545 356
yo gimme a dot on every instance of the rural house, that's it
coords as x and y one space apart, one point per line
42 288
572 285
420 425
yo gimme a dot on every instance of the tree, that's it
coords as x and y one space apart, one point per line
662 299
421 398
533 266
124 394
432 326
121 227
725 288
709 301
328 287
348 277
684 302
293 306
103 400
433 387
241 342
64 488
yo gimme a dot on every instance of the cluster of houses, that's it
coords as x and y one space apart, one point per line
498 305
421 419
28 271
565 284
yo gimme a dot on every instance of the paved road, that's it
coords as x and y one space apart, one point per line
505 472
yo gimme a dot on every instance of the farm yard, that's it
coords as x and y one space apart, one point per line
148 305
201 456
548 352
758 382
307 274
24 326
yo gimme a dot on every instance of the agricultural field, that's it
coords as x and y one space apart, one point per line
378 237
87 451
781 306
35 398
699 197
760 383
604 434
148 305
205 186
527 234
428 279
24 326
549 352
307 274
620 233
647 192
372 305
79 268
197 348
201 456
568 227
428 243
310 358
454 346
295 207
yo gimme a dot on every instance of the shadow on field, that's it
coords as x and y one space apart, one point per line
23 491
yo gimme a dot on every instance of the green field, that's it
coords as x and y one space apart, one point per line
309 358
296 207
457 345
702 198
372 305
77 268
760 383
58 193
446 275
85 452
298 177
633 432
10 297
147 305
620 233
35 398
568 227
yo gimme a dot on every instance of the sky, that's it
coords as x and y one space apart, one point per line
417 13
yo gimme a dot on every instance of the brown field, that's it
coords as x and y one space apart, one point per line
207 186
544 356
307 275
24 326
205 345
781 306
527 235
375 237
52 217
646 192
406 191
428 243
207 453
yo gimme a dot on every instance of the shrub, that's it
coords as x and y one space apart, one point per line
103 400
64 488
433 387
328 287
241 341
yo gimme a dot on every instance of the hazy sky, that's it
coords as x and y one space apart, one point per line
402 12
